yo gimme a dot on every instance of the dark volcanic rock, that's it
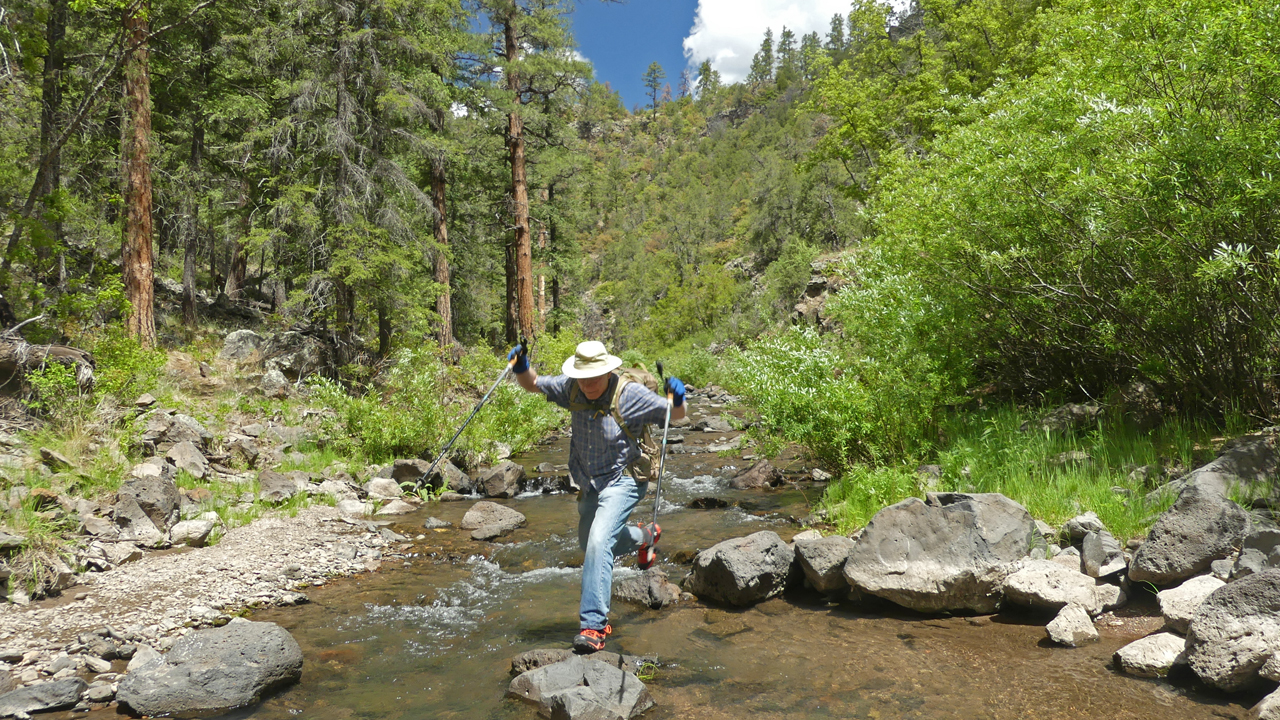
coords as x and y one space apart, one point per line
214 669
762 474
651 589
1202 526
1235 633
950 553
578 688
52 695
742 571
502 480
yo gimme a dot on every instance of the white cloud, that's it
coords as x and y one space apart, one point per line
728 32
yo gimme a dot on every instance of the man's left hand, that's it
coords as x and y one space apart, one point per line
675 389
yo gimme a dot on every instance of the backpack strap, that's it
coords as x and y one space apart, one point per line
578 402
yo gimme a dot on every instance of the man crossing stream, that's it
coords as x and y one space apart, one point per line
608 460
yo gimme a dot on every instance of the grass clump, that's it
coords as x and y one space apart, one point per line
1055 476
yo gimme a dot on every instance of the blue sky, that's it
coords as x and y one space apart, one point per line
621 39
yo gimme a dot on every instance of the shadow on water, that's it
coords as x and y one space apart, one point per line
434 638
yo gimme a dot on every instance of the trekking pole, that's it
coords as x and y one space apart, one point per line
662 458
506 371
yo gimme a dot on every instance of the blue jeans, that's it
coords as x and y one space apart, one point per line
603 534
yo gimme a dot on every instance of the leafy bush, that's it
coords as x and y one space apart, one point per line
122 366
842 407
1113 214
408 413
55 391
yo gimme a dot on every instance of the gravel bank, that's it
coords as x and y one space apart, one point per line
154 600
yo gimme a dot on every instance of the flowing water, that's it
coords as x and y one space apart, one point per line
434 638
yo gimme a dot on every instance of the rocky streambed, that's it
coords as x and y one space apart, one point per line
950 606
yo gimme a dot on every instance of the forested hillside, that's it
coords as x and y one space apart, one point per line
1018 200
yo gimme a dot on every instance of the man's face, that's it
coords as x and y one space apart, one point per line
594 387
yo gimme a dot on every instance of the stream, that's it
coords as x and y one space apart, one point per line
433 637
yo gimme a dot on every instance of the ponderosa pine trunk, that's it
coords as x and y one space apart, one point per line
135 150
520 292
51 116
238 263
444 304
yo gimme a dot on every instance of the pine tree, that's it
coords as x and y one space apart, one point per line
653 78
135 156
835 38
762 62
686 84
788 69
708 80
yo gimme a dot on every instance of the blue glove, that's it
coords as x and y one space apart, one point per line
676 389
520 354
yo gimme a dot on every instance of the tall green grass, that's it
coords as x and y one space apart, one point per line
987 452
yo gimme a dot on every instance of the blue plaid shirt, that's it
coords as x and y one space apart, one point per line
600 451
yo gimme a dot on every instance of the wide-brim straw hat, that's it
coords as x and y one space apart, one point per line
589 360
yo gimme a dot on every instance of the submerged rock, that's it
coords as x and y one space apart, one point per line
742 571
214 669
762 474
950 553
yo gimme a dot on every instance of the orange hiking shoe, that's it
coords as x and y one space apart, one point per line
647 555
589 641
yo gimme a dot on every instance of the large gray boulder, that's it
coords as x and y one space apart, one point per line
742 571
1053 586
156 496
485 514
822 561
214 669
952 552
52 695
1202 526
581 689
277 487
1178 605
186 456
193 533
297 356
134 523
502 480
1235 632
240 345
1247 460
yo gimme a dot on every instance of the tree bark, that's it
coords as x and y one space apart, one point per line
238 263
191 248
51 116
384 329
444 304
135 150
522 246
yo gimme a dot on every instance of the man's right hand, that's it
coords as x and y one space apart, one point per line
520 354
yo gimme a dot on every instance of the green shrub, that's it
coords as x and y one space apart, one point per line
405 415
841 407
54 390
123 366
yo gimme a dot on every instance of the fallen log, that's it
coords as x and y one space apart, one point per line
19 357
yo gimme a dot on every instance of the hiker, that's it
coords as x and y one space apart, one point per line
605 460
